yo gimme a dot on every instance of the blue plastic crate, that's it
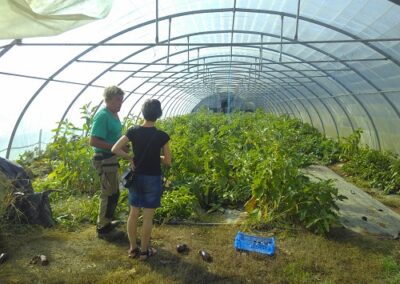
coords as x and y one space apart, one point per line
255 244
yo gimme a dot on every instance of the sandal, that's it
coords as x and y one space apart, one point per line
133 252
148 253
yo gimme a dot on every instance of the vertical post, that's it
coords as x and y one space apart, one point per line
229 85
156 21
261 55
255 70
204 70
188 53
208 76
198 55
40 142
233 28
248 84
169 38
280 52
297 20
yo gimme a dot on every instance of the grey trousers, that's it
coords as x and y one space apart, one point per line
107 170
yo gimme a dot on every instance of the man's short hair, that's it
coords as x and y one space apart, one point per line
111 92
151 109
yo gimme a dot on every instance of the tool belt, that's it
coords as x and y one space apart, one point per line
105 163
102 156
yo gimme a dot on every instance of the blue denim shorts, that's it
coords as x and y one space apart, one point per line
146 192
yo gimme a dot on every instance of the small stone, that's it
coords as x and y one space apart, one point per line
43 260
3 257
205 256
132 271
181 248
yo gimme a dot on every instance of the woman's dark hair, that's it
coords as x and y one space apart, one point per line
151 109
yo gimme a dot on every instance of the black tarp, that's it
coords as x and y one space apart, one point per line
27 206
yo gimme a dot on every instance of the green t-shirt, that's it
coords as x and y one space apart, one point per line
106 127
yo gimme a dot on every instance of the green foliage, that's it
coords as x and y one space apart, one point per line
241 159
393 183
34 163
391 269
350 145
295 272
316 207
253 157
379 169
70 212
6 190
281 192
87 113
43 183
305 141
178 203
72 169
70 157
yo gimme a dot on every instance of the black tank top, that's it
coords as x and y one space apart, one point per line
146 144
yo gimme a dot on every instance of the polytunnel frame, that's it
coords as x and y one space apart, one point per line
321 86
296 70
220 56
222 10
140 70
272 103
189 94
269 78
279 71
183 51
301 61
191 85
273 92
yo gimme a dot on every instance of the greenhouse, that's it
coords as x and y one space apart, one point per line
280 118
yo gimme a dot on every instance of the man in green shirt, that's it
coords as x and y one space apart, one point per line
106 130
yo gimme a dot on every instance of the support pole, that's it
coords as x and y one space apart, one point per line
297 21
280 52
40 142
188 51
156 21
198 55
169 38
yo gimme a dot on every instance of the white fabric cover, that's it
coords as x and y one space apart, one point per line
32 18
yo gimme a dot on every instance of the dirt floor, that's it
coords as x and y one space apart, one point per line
301 257
79 256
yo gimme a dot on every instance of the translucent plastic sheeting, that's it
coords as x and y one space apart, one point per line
334 65
31 18
17 94
46 110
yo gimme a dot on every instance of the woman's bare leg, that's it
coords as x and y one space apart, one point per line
148 214
131 226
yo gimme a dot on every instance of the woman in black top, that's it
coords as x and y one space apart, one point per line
147 143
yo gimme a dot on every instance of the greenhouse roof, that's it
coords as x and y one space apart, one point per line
333 64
